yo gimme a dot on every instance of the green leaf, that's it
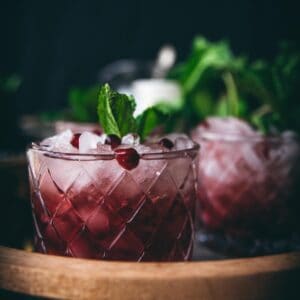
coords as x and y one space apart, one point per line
202 102
79 111
208 81
232 94
266 121
170 107
215 82
115 112
149 120
205 56
11 83
82 103
222 108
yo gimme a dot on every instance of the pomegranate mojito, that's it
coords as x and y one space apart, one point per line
101 197
249 184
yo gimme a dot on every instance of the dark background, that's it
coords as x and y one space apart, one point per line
54 45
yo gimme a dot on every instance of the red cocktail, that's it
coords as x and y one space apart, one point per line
249 185
133 202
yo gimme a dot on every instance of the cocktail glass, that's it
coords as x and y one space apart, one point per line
248 192
89 206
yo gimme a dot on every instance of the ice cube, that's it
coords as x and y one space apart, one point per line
102 139
144 149
183 143
228 125
60 142
180 141
148 170
62 172
131 139
173 136
88 141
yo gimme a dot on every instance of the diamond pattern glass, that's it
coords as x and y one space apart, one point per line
93 208
249 188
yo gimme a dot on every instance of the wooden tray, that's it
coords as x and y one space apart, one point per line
269 277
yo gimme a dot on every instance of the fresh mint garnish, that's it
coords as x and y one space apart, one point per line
149 120
115 112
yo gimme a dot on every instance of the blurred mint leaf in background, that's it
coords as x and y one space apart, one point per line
215 82
208 81
204 56
10 84
82 104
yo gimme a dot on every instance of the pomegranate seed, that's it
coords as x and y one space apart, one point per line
97 131
128 158
166 143
113 140
75 140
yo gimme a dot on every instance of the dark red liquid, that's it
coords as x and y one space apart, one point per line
124 222
247 200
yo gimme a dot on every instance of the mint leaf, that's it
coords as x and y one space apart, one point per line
149 120
115 112
208 81
232 94
205 56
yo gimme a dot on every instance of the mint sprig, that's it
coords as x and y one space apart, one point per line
82 102
215 82
115 112
150 119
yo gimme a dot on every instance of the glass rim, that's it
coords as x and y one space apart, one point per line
214 135
111 155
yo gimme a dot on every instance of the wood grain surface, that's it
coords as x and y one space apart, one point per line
269 277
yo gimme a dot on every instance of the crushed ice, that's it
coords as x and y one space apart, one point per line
131 139
90 142
60 142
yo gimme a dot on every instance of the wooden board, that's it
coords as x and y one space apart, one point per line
269 277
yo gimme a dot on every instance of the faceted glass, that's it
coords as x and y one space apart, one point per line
249 185
88 206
